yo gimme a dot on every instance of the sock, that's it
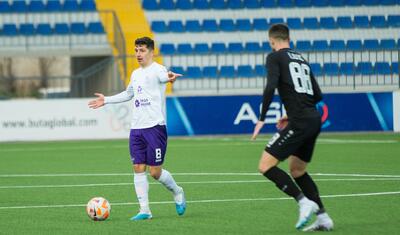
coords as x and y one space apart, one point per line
142 191
168 181
283 181
310 190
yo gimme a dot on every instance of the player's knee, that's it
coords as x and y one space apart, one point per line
296 172
262 168
155 174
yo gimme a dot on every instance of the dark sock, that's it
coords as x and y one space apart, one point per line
283 181
310 190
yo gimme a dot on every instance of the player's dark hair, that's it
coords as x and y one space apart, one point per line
145 41
279 31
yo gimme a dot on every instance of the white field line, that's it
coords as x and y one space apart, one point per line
187 182
205 201
217 142
185 174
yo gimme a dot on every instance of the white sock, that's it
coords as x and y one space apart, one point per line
142 191
168 181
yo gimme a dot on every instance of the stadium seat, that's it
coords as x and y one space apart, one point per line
4 7
354 45
345 22
310 23
193 26
61 28
361 21
260 24
53 5
36 6
393 20
235 4
96 28
364 68
294 23
267 4
87 5
27 29
193 72
178 69
78 28
370 2
210 26
266 47
150 5
331 69
347 69
166 5
243 25
320 3
303 46
388 44
328 23
167 49
44 29
218 47
210 71
337 45
218 4
371 44
276 20
201 4
302 3
316 69
353 2
159 27
185 48
251 4
176 26
227 71
201 48
382 68
253 47
19 6
378 22
260 70
285 3
227 25
320 45
388 2
70 5
395 67
184 4
337 3
245 71
235 47
10 30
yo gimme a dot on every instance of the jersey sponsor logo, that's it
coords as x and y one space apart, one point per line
246 113
142 102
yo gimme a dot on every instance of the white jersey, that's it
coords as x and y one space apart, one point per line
147 88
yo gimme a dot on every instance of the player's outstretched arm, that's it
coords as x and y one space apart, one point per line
173 76
98 102
257 129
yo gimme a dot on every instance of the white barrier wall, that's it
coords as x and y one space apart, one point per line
62 119
396 111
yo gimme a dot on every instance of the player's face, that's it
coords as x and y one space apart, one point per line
143 55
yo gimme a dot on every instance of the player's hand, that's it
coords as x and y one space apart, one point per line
282 123
98 102
257 129
172 76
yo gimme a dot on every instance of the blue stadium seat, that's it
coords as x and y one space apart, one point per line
10 30
4 7
266 47
167 49
316 69
235 4
378 22
303 3
61 28
243 25
210 25
361 21
210 71
218 4
227 25
53 5
388 44
285 3
337 3
371 44
260 24
345 22
227 71
364 68
159 26
201 4
27 29
184 4
337 45
87 5
393 20
353 2
96 28
294 23
193 72
310 23
176 26
395 67
382 68
193 26
328 23
45 29
178 69
245 71
320 3
167 5
303 46
276 21
370 2
354 45
347 69
150 5
388 2
185 48
36 6
268 3
331 69
70 5
235 47
260 70
253 47
251 4
19 6
320 45
78 28
218 47
201 48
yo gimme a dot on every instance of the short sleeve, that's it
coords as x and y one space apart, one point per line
162 74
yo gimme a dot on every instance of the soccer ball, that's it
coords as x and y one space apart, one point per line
98 209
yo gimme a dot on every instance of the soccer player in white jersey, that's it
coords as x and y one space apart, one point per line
148 136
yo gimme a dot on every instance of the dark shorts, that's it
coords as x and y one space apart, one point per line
148 146
297 139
